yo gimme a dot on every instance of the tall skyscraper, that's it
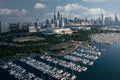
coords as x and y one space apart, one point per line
62 21
58 15
65 21
116 20
4 27
75 20
108 21
20 26
102 19
58 24
55 17
58 19
37 24
99 21
52 21
86 20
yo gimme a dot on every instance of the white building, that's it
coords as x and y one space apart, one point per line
58 31
32 28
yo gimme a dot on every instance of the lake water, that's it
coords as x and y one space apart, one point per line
107 67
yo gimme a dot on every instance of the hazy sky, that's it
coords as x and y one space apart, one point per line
30 10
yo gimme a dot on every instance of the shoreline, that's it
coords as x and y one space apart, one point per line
76 44
69 50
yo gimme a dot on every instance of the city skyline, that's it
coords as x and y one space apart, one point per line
12 11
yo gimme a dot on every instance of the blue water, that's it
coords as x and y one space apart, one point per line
107 67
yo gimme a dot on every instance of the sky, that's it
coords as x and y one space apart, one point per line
30 10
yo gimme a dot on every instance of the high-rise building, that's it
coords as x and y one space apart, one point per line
47 23
97 21
20 26
116 20
58 15
75 20
58 24
14 27
108 21
65 21
58 19
92 21
37 24
4 27
62 21
52 21
102 19
86 20
32 28
55 17
52 24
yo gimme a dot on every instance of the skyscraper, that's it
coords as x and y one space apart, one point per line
38 26
108 21
99 21
62 21
86 20
4 27
58 24
102 19
58 19
75 20
58 15
55 17
47 23
116 20
20 26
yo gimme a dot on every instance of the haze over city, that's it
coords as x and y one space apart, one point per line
23 10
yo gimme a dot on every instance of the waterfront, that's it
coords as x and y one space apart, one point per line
106 67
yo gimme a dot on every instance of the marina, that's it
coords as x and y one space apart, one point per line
66 64
54 72
78 61
85 55
19 72
108 38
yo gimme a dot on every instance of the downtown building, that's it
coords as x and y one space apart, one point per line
4 27
32 28
38 25
58 20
